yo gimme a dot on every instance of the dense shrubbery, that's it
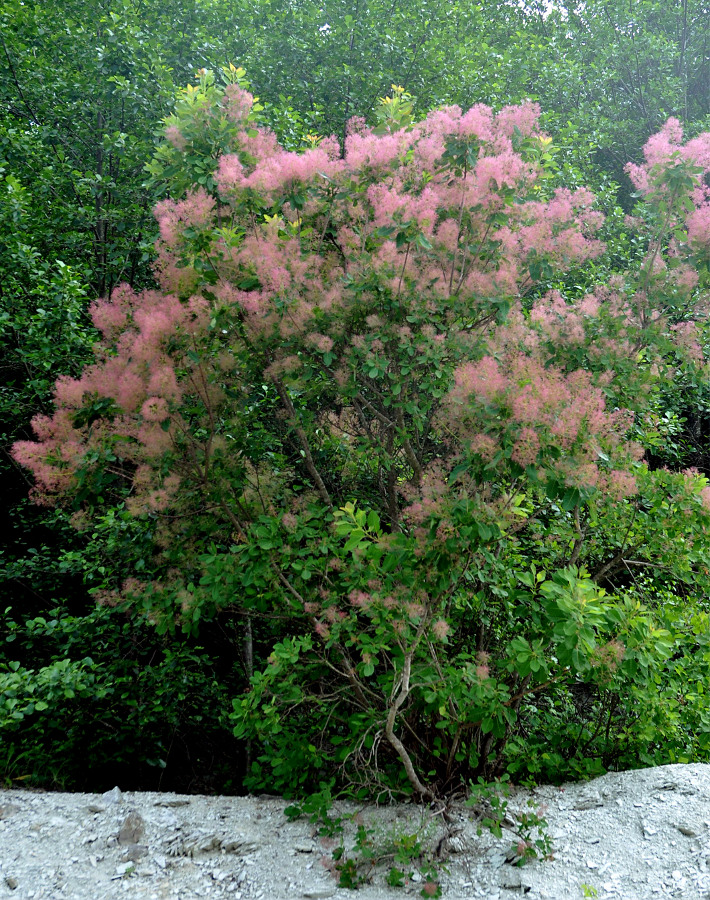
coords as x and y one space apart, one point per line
357 420
113 704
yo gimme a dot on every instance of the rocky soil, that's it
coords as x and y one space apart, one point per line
632 835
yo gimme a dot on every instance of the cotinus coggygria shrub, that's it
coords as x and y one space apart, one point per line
360 420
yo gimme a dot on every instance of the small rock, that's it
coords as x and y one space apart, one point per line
593 802
160 861
7 810
648 830
495 858
11 882
113 796
303 847
173 803
193 844
457 843
124 869
218 875
319 894
667 786
687 830
134 853
96 808
243 847
512 880
132 829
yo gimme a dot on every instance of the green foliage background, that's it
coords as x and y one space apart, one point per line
83 87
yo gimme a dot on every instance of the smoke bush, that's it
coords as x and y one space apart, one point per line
356 409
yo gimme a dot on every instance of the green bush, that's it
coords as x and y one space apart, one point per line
140 711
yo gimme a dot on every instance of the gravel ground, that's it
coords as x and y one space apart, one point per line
631 835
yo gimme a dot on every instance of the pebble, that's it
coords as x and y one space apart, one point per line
134 853
304 847
113 796
593 802
7 810
514 880
132 829
124 869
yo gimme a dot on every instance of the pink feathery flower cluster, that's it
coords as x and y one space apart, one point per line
561 321
195 211
687 337
441 629
175 137
544 410
663 148
408 183
698 223
237 103
385 260
278 170
666 149
135 369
